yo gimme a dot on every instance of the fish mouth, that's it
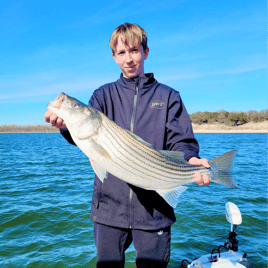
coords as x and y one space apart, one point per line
58 102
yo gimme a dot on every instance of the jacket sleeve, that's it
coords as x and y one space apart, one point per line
97 100
180 136
66 134
94 103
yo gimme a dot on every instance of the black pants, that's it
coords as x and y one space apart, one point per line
152 247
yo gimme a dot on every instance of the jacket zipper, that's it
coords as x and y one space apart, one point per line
134 109
131 129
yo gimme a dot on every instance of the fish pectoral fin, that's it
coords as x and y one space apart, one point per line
99 149
176 155
172 196
99 170
102 156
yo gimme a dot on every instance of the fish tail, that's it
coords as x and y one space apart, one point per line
221 169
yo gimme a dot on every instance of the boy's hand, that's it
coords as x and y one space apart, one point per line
201 180
54 120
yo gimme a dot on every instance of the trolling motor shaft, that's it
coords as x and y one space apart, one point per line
232 241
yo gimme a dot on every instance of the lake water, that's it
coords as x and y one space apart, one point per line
45 197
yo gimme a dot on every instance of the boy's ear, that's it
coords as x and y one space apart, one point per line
114 57
146 53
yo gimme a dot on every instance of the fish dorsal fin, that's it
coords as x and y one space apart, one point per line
176 155
172 196
99 170
136 137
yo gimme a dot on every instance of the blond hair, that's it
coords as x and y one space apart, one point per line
129 33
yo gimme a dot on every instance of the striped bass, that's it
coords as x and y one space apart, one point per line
112 149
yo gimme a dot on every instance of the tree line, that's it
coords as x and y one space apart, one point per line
229 118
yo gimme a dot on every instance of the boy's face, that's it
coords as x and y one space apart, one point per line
130 59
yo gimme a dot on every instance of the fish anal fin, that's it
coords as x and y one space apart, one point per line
172 196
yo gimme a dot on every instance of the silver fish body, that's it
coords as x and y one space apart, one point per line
117 151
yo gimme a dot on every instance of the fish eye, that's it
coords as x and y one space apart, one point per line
75 105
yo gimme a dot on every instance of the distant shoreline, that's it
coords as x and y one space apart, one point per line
28 129
261 127
30 132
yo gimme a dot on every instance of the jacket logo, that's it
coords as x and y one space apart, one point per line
157 104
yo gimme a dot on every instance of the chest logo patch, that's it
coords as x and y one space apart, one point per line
157 104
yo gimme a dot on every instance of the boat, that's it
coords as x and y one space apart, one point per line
227 255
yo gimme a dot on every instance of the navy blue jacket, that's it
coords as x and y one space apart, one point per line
156 113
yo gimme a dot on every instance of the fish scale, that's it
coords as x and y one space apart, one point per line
145 178
124 161
142 152
176 172
148 166
114 150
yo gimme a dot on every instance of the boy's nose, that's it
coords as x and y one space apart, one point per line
128 57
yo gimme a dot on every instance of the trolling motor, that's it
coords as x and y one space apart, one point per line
226 259
233 216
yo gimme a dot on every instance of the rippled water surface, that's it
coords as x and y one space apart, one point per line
45 197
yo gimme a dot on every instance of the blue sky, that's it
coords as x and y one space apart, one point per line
212 52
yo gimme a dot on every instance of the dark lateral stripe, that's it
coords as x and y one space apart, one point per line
125 165
146 153
158 164
138 148
162 172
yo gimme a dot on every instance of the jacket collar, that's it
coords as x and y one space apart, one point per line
143 83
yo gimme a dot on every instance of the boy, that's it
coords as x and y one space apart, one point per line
121 212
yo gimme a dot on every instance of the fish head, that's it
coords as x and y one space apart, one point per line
81 120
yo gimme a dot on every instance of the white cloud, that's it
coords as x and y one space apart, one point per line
44 85
235 65
229 23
